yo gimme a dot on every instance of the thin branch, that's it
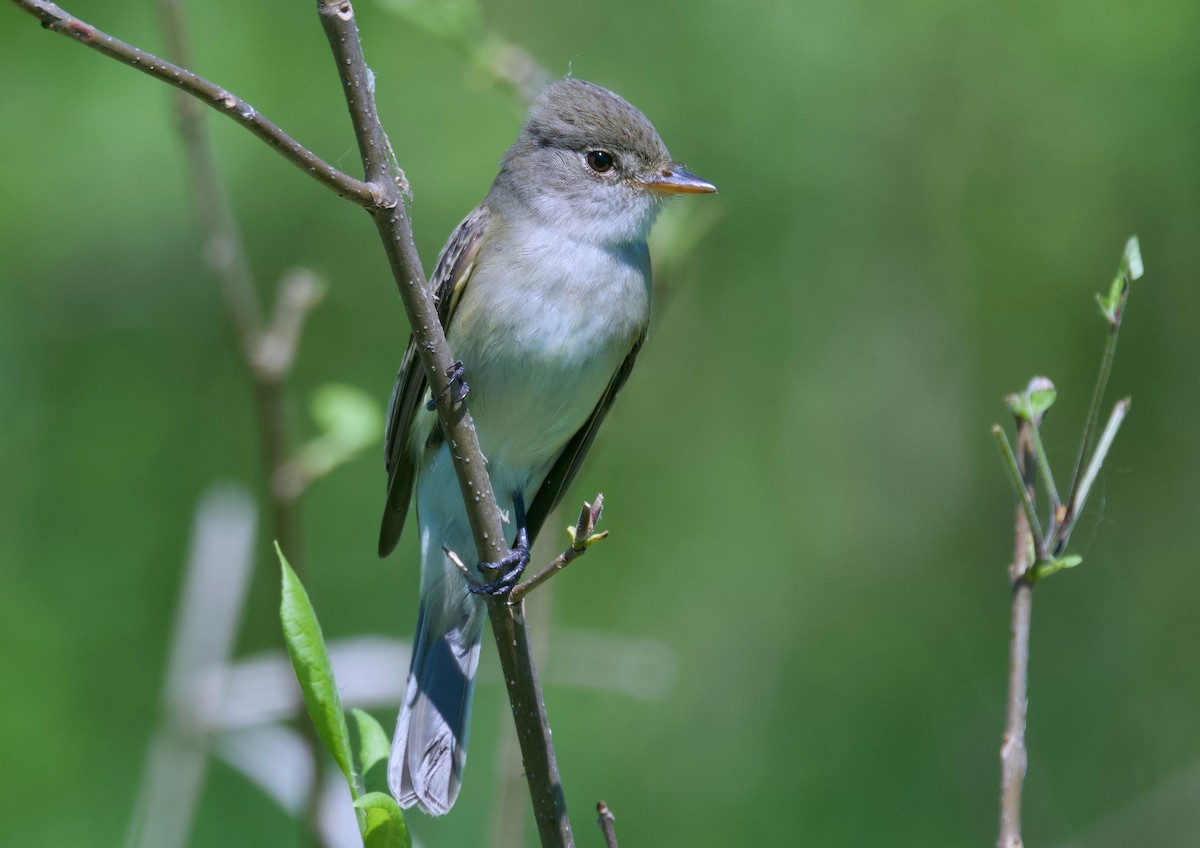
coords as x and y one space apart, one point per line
1093 468
1013 756
605 822
1093 413
1046 475
300 291
57 20
507 617
1024 492
582 538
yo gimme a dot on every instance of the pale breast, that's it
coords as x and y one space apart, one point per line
541 334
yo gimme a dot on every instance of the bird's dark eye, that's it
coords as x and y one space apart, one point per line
600 161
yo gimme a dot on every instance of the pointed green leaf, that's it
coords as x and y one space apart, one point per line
385 827
373 744
306 646
1130 269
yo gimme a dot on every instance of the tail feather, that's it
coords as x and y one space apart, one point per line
430 745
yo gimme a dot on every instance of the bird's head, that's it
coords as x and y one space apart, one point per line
587 158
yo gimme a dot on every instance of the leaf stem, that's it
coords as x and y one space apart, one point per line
1016 477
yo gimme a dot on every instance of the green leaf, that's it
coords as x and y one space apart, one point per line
385 826
1032 404
306 646
349 420
1130 269
1053 566
373 744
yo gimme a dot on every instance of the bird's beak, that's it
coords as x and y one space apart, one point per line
675 180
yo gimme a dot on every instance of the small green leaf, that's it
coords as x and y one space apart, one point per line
373 744
1032 404
385 826
1130 269
306 646
1053 566
349 420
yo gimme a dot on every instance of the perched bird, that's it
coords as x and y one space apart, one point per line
544 292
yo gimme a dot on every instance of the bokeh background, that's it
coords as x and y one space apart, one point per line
808 513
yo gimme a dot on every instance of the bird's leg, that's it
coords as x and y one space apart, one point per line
512 565
455 372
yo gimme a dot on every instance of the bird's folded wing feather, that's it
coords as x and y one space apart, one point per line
451 275
568 462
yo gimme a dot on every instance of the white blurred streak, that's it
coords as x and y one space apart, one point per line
369 670
596 659
262 687
339 827
276 759
210 607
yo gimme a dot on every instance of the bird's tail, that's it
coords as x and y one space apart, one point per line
430 745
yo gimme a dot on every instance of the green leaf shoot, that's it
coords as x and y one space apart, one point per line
385 826
310 659
1053 566
373 744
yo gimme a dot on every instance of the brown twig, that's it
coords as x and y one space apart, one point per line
605 822
1013 758
508 619
582 538
57 20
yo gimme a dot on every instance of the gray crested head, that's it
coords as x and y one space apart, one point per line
589 160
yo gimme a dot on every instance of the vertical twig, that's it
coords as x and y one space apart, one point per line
1013 757
604 820
395 230
265 355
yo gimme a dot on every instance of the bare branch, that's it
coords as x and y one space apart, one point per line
1013 757
507 616
300 291
605 821
57 20
582 538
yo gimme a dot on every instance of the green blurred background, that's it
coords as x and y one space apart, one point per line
918 201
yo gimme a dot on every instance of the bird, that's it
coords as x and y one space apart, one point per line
544 293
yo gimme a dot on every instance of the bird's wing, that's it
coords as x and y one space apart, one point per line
450 277
568 462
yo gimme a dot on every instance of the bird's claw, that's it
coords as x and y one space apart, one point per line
512 565
455 373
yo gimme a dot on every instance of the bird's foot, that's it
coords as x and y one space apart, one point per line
457 385
512 565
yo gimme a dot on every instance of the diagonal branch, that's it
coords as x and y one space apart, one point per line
507 615
57 20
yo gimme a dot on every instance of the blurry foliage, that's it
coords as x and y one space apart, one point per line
801 491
